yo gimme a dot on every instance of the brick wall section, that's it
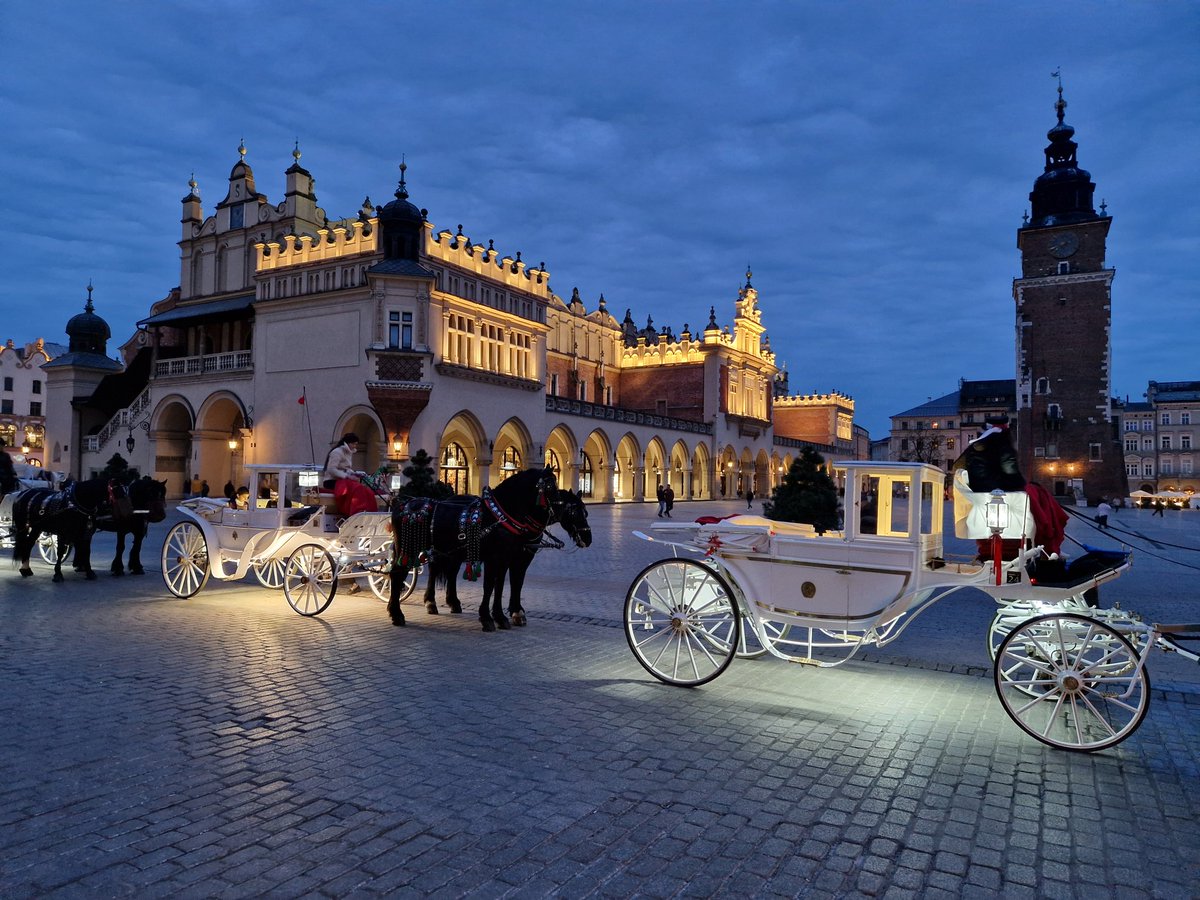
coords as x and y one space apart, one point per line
681 387
806 424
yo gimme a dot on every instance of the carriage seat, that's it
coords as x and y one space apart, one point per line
303 514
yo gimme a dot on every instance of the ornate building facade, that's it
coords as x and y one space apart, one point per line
23 399
289 329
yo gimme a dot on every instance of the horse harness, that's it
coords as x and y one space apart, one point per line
415 540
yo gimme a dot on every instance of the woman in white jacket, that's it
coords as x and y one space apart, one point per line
349 493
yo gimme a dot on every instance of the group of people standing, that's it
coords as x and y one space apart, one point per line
666 500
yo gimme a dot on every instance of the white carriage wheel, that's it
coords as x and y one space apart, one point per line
48 549
310 579
682 622
185 566
269 573
1005 620
1072 682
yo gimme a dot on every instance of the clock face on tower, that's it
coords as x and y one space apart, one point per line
1065 244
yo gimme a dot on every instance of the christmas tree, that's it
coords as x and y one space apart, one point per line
422 482
807 494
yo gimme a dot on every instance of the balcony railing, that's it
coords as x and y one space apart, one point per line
212 363
124 419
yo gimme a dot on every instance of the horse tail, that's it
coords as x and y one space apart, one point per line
21 518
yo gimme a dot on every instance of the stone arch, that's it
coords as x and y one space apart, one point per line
363 421
463 432
562 455
702 487
679 470
172 422
629 475
655 465
597 466
761 479
220 422
512 451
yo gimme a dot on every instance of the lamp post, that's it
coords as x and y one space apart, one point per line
997 521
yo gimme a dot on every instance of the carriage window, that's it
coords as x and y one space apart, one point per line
883 506
931 508
454 470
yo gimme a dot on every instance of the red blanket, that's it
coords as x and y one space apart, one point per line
1049 519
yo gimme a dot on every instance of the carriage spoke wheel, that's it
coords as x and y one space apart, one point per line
269 573
310 580
185 566
682 622
48 549
1072 682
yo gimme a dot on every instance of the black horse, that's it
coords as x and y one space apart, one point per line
147 502
69 514
9 482
499 531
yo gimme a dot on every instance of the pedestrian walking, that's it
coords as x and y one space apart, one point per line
668 500
750 499
662 501
1103 511
1159 506
204 489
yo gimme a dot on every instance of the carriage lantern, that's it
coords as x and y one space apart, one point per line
396 481
309 478
997 520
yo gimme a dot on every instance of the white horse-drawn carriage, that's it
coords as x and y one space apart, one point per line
1069 674
288 535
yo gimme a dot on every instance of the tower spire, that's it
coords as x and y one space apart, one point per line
402 191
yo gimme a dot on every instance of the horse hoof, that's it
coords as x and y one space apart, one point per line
57 579
137 571
503 625
488 626
431 608
26 573
518 619
116 574
456 608
398 621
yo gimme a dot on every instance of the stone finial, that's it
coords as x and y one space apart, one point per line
242 148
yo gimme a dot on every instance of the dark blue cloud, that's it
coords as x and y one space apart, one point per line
870 161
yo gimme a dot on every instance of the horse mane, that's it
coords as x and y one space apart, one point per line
8 474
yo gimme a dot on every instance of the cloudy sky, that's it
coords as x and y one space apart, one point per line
869 161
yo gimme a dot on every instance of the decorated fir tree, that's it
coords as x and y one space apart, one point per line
807 494
422 481
117 469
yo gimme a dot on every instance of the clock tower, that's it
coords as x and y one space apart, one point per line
1066 435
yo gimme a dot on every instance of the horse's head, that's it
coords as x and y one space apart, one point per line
150 495
571 514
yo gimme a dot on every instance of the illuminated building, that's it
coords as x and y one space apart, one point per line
289 329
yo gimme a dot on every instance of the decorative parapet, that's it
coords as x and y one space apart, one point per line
458 250
797 444
629 416
662 352
484 377
798 400
330 244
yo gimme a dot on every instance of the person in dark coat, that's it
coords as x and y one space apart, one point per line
668 500
750 499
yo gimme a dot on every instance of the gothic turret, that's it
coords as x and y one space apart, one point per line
1062 195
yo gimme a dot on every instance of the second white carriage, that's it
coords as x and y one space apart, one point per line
287 536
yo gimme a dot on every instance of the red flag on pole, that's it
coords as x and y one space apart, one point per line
301 400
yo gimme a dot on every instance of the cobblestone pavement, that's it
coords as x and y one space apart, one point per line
224 746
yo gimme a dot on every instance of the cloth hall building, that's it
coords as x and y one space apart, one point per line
288 329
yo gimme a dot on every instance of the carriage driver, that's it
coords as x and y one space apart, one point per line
349 493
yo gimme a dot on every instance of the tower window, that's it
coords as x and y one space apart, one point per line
1064 268
1043 386
1094 452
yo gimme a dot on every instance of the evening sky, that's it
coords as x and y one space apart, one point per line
871 162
